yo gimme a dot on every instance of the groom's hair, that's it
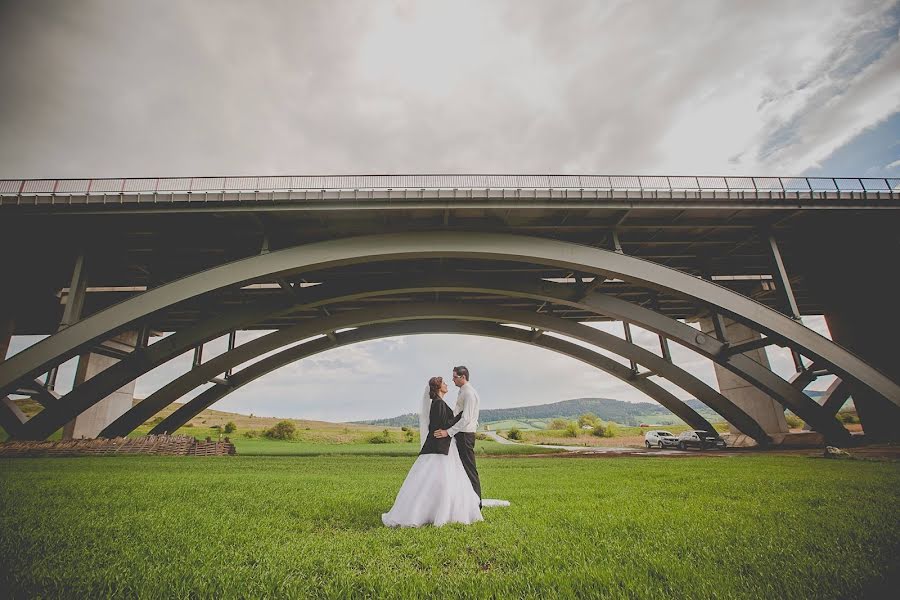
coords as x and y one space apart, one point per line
462 372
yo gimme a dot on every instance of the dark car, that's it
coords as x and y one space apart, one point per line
700 439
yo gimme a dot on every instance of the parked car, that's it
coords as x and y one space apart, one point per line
700 439
659 438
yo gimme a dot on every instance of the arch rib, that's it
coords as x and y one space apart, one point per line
38 358
203 373
379 330
128 369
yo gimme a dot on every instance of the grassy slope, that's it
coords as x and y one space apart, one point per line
735 527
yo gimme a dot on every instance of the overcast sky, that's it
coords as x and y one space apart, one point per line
125 88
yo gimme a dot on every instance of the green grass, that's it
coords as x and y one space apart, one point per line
728 527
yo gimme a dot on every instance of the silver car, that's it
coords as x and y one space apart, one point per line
659 438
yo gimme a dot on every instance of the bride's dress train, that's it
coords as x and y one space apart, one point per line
436 491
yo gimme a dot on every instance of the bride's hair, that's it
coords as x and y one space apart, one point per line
434 386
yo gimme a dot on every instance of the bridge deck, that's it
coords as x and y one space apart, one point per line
144 232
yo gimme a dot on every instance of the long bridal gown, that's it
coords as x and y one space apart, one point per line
437 490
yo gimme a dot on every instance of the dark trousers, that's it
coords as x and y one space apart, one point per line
465 443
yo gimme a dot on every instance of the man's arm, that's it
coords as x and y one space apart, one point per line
466 416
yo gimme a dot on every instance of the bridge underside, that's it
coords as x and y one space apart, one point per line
64 263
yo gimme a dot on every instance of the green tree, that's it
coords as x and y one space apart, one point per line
557 424
589 419
571 429
283 430
514 434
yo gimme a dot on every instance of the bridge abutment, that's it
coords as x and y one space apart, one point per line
92 421
756 403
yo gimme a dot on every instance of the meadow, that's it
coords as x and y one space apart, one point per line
624 436
748 526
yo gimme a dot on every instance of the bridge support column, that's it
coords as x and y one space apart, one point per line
873 335
851 272
756 403
92 421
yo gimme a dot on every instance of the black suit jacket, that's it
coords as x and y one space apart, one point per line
440 417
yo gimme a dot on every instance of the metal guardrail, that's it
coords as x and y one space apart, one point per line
30 187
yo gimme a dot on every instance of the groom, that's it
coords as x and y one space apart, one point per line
467 402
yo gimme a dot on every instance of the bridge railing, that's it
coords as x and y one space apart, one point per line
653 183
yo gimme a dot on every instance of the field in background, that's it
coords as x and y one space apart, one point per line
233 527
625 436
312 438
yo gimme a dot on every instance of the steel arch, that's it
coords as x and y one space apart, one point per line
128 369
381 330
66 343
41 427
259 346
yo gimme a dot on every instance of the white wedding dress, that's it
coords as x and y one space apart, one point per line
436 491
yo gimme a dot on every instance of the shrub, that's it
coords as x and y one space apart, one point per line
557 424
847 417
588 419
793 421
514 434
188 425
282 430
482 436
230 427
571 429
384 437
606 430
408 434
250 433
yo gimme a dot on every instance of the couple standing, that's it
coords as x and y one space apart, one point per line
442 486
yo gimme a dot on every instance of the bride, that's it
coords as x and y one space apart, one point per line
436 490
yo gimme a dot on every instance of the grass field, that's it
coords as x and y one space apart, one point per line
244 526
625 436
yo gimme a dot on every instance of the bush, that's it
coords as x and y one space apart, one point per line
408 434
188 425
847 417
482 437
230 427
251 433
282 430
588 419
514 434
384 437
793 421
557 424
571 430
605 430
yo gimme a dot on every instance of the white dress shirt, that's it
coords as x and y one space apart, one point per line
467 403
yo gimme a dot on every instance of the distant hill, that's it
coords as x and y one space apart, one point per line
605 408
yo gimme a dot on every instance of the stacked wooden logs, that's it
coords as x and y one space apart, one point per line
166 445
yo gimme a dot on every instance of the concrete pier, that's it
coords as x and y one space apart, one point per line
756 403
92 421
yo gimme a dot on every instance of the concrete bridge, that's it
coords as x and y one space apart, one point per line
724 266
